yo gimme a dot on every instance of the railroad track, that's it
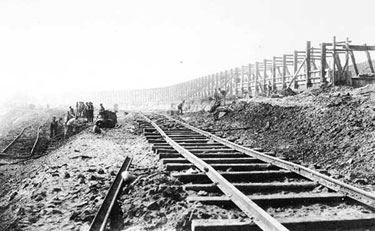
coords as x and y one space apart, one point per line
274 194
23 145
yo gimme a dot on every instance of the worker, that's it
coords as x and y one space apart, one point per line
216 94
217 102
68 116
87 112
71 126
77 108
53 127
71 111
101 108
223 94
179 107
224 109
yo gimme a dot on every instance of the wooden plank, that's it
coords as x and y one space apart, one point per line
309 223
205 155
240 176
214 160
274 200
256 187
361 47
225 167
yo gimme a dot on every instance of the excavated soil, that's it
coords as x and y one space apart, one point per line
64 189
331 127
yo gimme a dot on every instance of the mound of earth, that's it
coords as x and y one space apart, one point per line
333 127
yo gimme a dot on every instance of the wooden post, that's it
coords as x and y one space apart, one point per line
256 78
274 73
308 64
369 60
295 68
242 81
354 62
231 82
226 81
236 74
334 61
249 80
264 76
323 79
283 77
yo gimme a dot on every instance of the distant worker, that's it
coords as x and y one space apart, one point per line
179 107
101 109
71 126
71 111
223 94
224 110
91 112
269 88
68 116
77 108
216 94
217 102
53 127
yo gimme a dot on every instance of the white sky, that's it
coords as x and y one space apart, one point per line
57 46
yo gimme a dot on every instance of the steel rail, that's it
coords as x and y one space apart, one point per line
100 221
15 139
36 140
348 190
251 209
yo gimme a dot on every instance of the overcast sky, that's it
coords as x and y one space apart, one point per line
56 46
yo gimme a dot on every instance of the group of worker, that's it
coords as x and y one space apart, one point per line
83 110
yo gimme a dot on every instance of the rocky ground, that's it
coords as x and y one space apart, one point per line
63 190
333 127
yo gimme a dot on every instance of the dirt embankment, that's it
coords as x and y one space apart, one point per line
331 127
64 189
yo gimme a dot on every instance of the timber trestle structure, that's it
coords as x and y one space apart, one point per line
253 181
328 62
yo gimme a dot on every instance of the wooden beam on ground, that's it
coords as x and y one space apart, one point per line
274 200
292 223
